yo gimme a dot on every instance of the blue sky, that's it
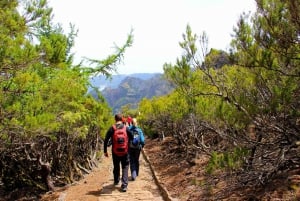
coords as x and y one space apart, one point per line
157 26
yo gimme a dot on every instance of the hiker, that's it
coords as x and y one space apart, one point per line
124 120
120 136
135 147
129 120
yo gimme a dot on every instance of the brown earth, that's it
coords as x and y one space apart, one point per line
183 181
188 182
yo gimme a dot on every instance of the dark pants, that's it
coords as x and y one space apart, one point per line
124 160
134 162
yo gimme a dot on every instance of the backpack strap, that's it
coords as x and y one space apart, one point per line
114 126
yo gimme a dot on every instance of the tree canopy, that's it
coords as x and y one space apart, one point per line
47 119
240 108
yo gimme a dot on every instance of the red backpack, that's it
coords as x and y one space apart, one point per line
120 141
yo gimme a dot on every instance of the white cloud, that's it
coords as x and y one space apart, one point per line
158 27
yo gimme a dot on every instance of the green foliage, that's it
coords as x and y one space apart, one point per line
127 110
218 95
108 65
181 74
159 109
42 92
44 96
214 93
216 59
271 53
227 160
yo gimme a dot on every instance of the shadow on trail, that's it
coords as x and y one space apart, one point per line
95 193
106 189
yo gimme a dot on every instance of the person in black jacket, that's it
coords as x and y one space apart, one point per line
118 158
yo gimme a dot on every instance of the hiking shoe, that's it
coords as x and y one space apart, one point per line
116 183
124 189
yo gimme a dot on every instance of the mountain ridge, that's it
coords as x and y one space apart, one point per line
131 89
102 82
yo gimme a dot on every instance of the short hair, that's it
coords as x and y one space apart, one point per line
118 117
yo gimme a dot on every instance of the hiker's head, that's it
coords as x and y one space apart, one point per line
124 120
129 120
134 121
118 117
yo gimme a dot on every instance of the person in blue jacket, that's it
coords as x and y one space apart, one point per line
135 147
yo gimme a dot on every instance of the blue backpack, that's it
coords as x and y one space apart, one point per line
136 141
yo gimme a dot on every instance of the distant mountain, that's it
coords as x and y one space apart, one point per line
101 82
131 89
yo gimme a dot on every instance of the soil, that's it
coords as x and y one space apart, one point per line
182 180
190 182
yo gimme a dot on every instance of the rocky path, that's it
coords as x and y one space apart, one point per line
143 188
98 185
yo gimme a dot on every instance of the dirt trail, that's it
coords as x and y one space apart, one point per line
98 185
183 181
